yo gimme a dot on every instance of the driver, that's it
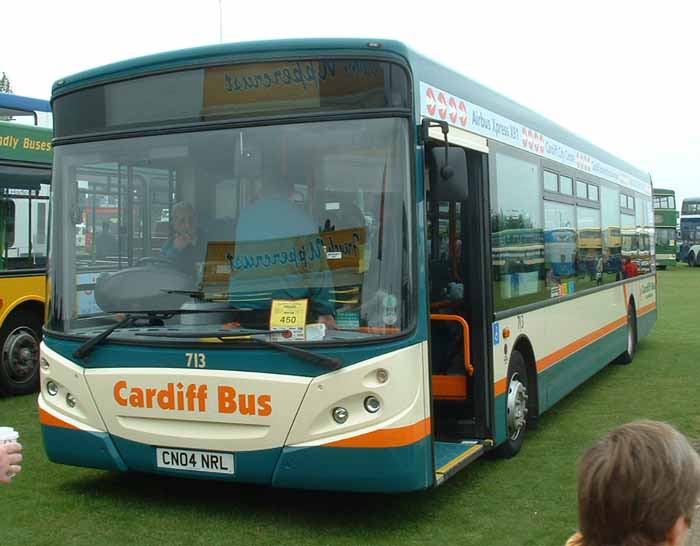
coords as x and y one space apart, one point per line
185 246
269 226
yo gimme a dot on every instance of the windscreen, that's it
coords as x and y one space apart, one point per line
264 228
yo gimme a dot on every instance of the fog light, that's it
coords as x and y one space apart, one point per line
70 400
382 375
340 415
372 404
45 364
51 388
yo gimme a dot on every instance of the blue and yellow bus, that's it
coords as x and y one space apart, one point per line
25 175
323 267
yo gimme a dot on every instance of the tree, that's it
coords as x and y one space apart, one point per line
5 84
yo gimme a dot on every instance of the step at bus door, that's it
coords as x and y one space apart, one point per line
452 457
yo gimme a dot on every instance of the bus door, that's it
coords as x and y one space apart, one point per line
459 293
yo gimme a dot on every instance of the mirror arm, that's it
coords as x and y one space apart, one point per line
446 172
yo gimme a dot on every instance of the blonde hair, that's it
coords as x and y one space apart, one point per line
634 484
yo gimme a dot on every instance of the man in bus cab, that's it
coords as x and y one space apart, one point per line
630 268
275 223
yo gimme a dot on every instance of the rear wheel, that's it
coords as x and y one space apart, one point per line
628 355
516 406
19 353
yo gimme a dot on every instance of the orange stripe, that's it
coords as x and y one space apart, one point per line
561 354
450 387
499 387
644 310
390 437
45 418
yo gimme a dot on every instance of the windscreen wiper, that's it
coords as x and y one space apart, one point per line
128 320
246 335
329 362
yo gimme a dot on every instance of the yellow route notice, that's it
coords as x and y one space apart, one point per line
289 315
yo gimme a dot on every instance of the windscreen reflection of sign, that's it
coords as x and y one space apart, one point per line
285 257
286 85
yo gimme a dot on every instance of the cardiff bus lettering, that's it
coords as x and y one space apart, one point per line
191 398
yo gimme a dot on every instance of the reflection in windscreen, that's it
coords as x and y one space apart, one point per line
308 219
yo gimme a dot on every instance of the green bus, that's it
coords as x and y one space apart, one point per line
665 219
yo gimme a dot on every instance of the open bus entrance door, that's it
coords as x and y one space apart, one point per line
459 312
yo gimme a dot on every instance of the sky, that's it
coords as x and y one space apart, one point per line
621 74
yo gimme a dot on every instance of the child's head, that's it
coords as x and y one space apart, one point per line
638 486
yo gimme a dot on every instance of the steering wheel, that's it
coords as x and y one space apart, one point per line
156 260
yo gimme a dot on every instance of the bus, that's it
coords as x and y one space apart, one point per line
665 219
561 245
25 175
353 292
690 231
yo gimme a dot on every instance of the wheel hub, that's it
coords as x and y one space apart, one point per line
20 354
517 407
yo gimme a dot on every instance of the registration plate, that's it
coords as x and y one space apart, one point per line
196 461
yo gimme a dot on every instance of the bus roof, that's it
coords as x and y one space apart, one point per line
15 105
425 70
25 143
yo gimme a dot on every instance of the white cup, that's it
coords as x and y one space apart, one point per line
8 435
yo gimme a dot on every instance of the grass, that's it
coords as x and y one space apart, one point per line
525 501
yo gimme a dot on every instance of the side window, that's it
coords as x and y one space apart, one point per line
550 181
559 248
581 190
612 238
23 222
566 185
592 192
517 243
589 265
7 230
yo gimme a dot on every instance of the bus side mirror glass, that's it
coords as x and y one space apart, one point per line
448 174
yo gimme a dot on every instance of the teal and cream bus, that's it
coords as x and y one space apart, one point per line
665 233
325 267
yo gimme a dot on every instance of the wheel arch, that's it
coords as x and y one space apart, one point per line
28 304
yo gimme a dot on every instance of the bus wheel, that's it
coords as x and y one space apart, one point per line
19 354
691 259
516 406
628 355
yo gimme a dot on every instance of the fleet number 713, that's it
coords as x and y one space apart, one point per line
196 360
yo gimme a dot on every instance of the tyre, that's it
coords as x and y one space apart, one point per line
516 406
19 353
691 259
628 355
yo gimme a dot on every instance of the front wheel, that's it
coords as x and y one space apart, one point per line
516 406
19 353
628 355
691 259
